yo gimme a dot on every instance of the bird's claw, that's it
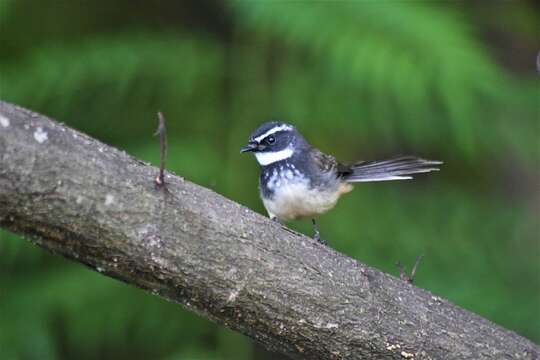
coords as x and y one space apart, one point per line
317 237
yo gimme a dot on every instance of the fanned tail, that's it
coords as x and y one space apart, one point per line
400 168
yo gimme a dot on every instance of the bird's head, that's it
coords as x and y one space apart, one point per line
273 141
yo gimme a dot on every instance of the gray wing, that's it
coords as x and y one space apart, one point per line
328 165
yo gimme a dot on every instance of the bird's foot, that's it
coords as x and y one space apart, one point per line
161 131
317 237
316 234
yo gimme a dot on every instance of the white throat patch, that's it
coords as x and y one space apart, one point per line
267 158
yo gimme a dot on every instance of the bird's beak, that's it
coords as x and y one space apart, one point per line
251 146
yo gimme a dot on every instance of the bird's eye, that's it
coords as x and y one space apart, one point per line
271 139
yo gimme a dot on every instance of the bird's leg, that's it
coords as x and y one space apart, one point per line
317 234
162 132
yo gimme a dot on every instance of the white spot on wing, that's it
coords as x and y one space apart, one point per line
40 135
4 121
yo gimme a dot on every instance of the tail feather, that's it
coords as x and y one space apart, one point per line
399 168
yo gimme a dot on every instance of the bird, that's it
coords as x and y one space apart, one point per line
299 181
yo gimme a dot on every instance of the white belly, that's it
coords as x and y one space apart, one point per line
297 200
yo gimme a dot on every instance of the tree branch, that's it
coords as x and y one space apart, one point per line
91 203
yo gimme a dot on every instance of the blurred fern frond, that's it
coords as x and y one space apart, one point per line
404 62
123 74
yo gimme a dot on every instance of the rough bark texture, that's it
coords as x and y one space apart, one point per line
91 203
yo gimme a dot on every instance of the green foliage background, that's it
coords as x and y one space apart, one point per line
361 80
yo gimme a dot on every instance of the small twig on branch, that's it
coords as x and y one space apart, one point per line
402 273
162 132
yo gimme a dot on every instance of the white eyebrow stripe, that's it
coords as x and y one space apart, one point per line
267 158
272 131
